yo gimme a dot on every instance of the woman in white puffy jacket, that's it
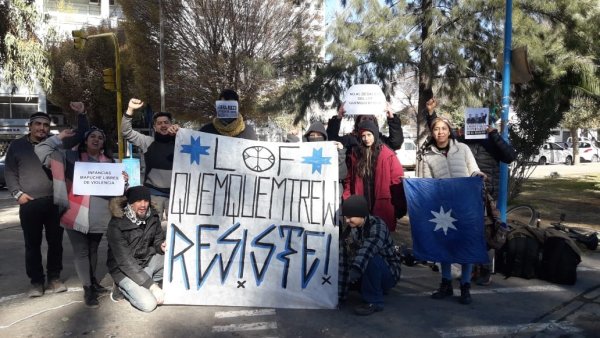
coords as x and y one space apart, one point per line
448 158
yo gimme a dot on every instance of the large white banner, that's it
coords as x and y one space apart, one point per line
252 223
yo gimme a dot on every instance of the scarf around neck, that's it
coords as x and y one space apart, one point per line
130 214
232 129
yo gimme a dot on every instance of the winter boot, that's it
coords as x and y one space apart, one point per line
90 297
444 291
465 294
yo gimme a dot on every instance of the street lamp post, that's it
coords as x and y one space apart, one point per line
161 58
79 39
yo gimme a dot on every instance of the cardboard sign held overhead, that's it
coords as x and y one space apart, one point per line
364 99
227 109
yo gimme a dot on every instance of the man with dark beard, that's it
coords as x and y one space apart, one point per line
157 150
31 185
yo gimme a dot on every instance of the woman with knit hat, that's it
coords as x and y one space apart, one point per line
394 140
448 158
375 172
85 218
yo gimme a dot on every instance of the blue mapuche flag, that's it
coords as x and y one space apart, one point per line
447 220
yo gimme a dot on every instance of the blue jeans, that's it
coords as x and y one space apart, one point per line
376 279
465 276
140 297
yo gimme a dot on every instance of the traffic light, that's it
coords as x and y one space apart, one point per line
79 38
108 75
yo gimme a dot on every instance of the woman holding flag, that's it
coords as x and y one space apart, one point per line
448 158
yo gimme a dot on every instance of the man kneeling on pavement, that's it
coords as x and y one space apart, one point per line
136 247
367 256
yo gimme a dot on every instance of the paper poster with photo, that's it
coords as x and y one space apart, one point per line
227 109
252 223
98 179
476 122
132 168
364 99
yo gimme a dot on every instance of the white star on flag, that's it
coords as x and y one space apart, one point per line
443 220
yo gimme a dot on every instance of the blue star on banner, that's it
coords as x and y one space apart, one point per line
456 232
195 149
317 160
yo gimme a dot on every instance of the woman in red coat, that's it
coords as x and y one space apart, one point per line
375 172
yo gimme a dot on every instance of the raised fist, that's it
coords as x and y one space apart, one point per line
135 103
77 106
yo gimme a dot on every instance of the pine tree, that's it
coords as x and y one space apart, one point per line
22 55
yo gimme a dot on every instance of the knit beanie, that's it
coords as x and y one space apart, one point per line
355 206
93 129
137 193
369 126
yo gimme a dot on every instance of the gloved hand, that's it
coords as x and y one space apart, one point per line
354 275
158 293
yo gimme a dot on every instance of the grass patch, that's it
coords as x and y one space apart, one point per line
578 198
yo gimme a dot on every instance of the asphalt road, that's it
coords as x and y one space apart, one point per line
511 307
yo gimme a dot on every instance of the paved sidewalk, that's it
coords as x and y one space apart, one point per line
509 307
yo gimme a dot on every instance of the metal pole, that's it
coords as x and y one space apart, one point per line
503 192
161 58
119 95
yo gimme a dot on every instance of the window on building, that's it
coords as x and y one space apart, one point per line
110 2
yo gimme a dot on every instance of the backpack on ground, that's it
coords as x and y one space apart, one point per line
560 257
520 255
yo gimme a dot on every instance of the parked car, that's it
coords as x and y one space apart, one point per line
407 154
589 152
2 179
553 153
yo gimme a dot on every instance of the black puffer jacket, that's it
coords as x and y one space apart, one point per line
488 154
394 140
130 246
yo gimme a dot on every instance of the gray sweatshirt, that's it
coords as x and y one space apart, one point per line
24 171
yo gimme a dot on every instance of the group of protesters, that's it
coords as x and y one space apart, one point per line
39 174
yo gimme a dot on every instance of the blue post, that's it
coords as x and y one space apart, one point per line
503 192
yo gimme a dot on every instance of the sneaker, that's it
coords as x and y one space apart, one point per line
36 290
116 295
367 309
56 286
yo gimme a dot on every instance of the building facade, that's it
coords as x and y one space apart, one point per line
17 104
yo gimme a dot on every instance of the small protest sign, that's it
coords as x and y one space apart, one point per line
132 168
476 122
364 99
98 179
227 109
